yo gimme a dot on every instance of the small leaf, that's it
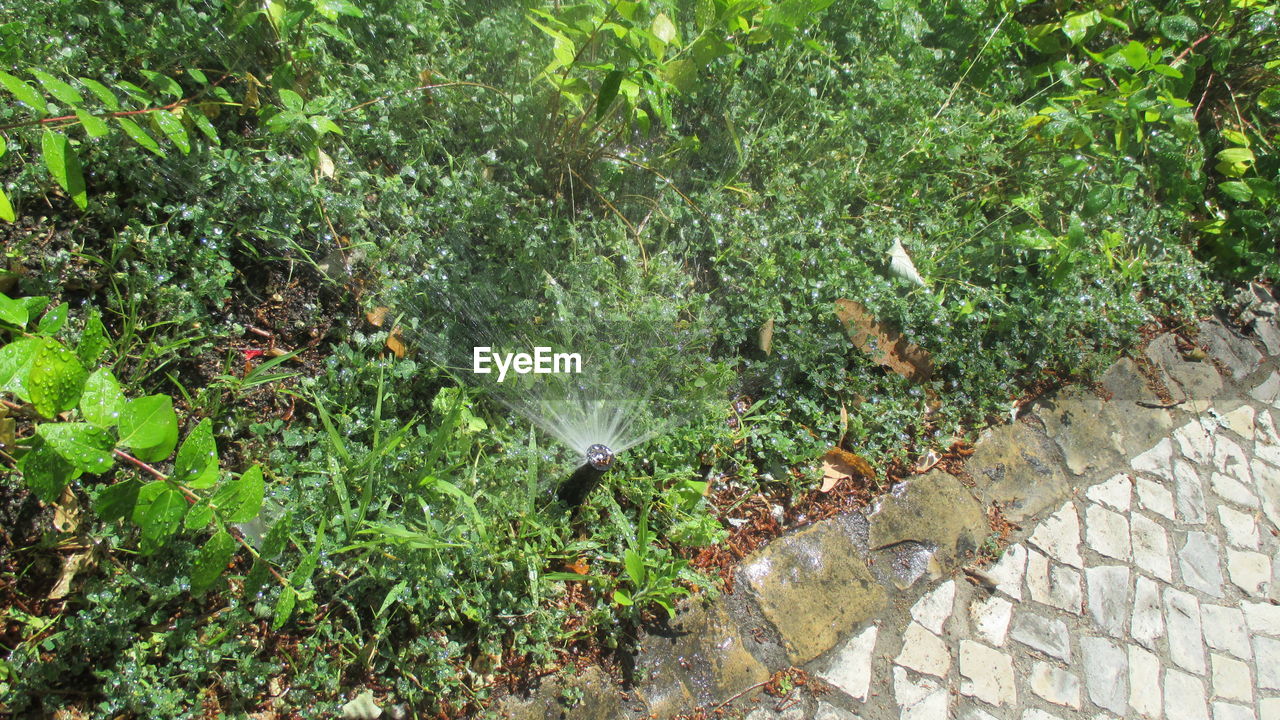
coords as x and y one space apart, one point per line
93 126
6 208
103 93
322 125
53 321
198 75
241 499
1179 28
635 566
164 83
333 8
13 311
211 561
86 447
171 126
56 379
197 463
1236 190
622 597
16 360
149 426
1076 26
64 166
199 516
60 90
102 400
158 512
291 100
26 94
93 341
201 121
1236 137
1135 53
140 136
45 471
284 607
663 29
116 502
608 91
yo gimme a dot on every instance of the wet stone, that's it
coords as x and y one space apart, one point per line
1057 686
1020 468
1109 597
1084 427
1146 625
1184 697
1048 635
1106 673
599 699
937 510
1198 560
1144 682
849 668
1224 629
1126 382
1182 617
814 588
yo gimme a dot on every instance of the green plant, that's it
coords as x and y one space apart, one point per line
652 573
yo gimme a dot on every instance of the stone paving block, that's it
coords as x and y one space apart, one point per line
1183 378
976 713
1155 497
1106 673
1250 571
1231 679
1267 446
1116 492
1268 391
990 618
1182 618
1020 468
933 609
1266 653
1054 585
1198 560
1109 597
1269 709
1242 531
1184 697
1225 630
1048 635
1195 441
1150 546
1267 480
922 699
1055 685
924 652
814 588
1059 536
987 674
849 668
1106 532
1158 460
1236 353
1230 459
1146 624
1262 618
1232 490
1188 493
936 510
1038 714
1231 711
827 711
1007 572
1240 421
1144 682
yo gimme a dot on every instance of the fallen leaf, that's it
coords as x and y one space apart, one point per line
839 464
324 164
886 347
376 316
66 512
766 337
844 421
579 566
927 461
900 264
395 342
362 708
71 565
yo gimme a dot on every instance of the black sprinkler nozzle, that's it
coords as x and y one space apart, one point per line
575 490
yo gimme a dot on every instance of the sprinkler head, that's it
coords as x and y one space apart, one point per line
600 457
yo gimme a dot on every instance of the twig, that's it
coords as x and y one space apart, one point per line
740 694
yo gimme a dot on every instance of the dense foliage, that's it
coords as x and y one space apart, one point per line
213 194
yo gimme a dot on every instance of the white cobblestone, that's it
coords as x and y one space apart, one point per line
1144 682
990 619
934 608
1266 653
922 699
1155 497
1240 421
1231 711
1232 490
1146 624
1198 560
850 667
1107 532
1048 635
1242 531
1157 461
1269 709
1109 597
1008 571
1250 571
923 652
1055 685
1263 618
987 674
1182 618
1229 458
1224 629
1059 536
1106 673
1195 442
1188 493
1150 547
1231 679
1184 696
1116 492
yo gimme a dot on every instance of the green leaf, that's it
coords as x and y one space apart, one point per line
172 127
149 426
116 502
1135 53
103 93
1236 137
140 136
1168 71
1179 28
197 462
332 9
198 75
211 561
53 321
240 500
64 166
1234 162
102 400
274 542
6 208
291 100
16 360
93 341
201 121
45 471
1077 25
158 512
93 126
622 597
1236 190
663 29
199 515
86 447
56 379
323 125
26 94
60 90
635 566
284 608
1269 99
13 311
608 91
165 84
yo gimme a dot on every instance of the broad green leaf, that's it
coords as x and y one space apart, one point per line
1269 99
1236 190
140 136
16 360
608 91
211 561
1135 53
93 341
56 379
199 516
1077 25
53 321
240 500
172 127
323 125
60 90
634 565
64 166
103 93
102 400
94 126
34 304
1179 28
291 100
158 512
149 426
197 463
201 121
86 447
663 29
165 84
1236 137
198 75
622 597
284 608
332 9
1168 71
26 94
13 312
6 208
116 502
46 471
135 92
1234 162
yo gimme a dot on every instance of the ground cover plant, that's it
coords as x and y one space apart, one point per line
235 477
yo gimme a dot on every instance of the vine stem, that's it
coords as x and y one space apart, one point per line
118 113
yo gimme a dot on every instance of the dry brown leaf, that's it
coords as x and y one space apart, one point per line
395 342
766 337
376 316
839 464
324 164
844 421
579 566
66 512
884 346
926 462
72 564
